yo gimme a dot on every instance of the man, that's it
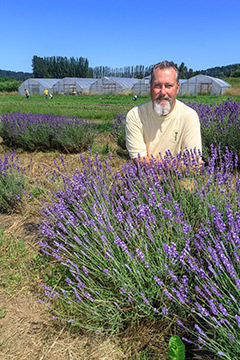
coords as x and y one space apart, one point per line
163 123
27 93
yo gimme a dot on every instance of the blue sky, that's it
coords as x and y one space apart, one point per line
113 33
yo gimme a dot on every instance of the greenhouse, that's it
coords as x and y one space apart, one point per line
112 85
36 86
72 86
142 86
201 84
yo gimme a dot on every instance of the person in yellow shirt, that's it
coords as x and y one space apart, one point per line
46 93
163 123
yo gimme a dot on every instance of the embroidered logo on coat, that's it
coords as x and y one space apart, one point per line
175 135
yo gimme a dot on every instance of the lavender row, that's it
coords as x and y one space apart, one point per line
144 243
46 132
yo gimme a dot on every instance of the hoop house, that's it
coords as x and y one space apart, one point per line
112 85
204 84
72 86
142 86
36 86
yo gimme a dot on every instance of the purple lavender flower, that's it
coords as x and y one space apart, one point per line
223 309
140 254
221 353
165 311
237 317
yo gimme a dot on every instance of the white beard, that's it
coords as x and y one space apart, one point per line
161 109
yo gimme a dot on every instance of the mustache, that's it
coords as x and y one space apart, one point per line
165 97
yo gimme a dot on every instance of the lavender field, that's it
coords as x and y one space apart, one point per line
137 243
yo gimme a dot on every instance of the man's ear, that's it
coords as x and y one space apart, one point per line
178 87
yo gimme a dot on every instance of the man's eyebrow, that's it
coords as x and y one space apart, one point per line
165 83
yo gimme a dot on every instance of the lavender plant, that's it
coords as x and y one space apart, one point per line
214 271
118 131
210 289
220 124
46 132
12 182
108 230
127 215
148 243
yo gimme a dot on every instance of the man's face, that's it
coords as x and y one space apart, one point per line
164 90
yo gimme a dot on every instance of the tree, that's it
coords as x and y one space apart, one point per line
59 67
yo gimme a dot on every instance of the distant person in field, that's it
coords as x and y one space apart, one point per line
163 123
27 93
51 96
46 93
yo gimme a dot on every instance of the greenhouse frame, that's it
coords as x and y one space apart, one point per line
112 85
36 86
72 86
142 86
201 84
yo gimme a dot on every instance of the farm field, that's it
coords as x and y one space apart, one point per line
91 107
27 330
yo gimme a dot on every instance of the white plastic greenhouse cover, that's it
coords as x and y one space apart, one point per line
204 84
84 83
36 86
47 83
69 85
112 85
125 83
221 82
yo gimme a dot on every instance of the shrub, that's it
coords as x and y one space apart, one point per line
220 125
118 131
145 243
12 183
8 84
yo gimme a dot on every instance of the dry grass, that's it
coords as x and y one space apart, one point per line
233 91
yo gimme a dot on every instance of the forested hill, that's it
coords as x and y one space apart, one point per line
17 75
221 71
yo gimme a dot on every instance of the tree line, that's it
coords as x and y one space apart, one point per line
58 67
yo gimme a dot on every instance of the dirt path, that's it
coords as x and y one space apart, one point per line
26 332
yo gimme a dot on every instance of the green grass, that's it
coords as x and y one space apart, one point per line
91 107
